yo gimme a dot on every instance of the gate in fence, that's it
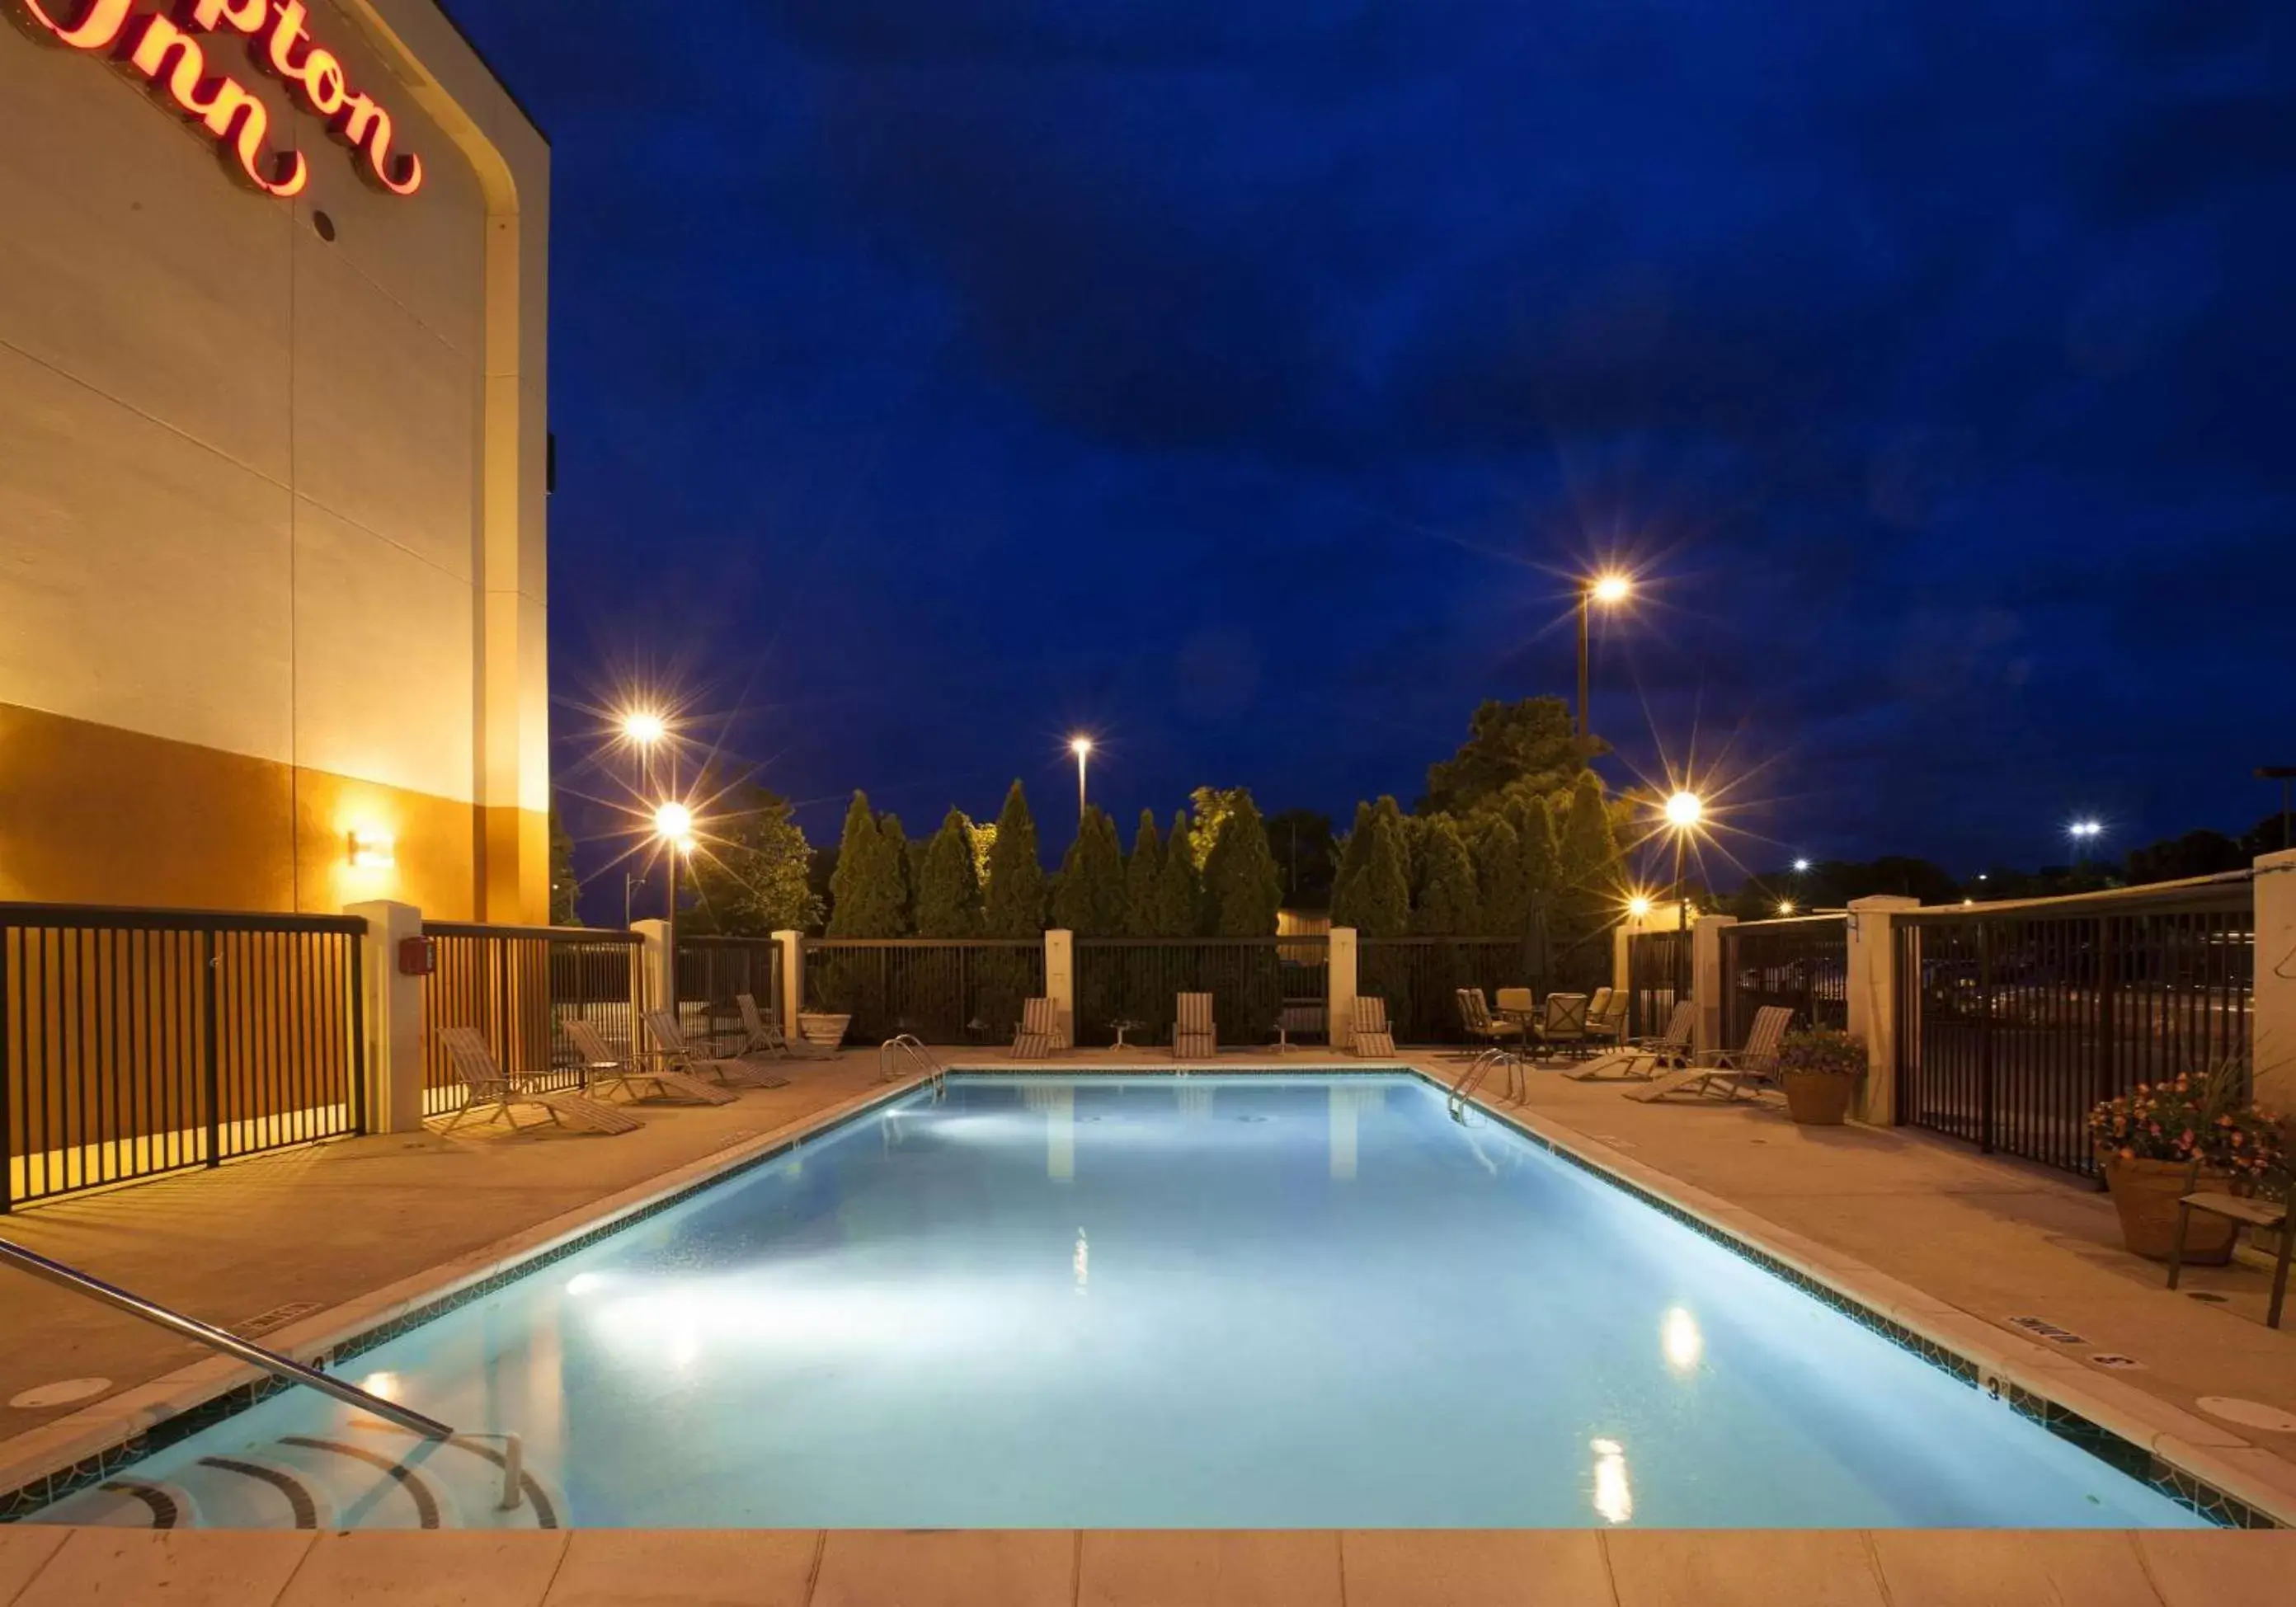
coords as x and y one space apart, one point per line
1259 986
1658 979
519 986
2013 1022
138 1042
944 990
713 974
1803 964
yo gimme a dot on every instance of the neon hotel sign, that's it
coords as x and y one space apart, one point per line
172 52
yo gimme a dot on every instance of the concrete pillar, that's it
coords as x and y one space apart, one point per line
1340 986
653 965
792 999
1060 982
1706 982
1873 984
2273 1030
1620 938
393 1009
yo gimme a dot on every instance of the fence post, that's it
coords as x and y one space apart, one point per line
1706 981
393 1009
654 968
2272 1029
1060 982
1872 979
1339 983
792 999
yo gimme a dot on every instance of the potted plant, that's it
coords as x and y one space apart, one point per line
1819 1069
2164 1140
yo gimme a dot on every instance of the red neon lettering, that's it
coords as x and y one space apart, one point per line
245 15
229 112
99 24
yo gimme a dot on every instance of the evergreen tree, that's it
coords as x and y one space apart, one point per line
948 886
893 844
1348 886
1511 748
1242 888
868 884
1179 900
1500 877
1382 901
1142 873
1590 879
919 847
1449 904
1089 900
565 885
1013 905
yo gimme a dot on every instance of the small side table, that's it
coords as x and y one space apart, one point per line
1121 1029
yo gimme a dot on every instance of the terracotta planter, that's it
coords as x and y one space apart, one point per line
2145 1193
1819 1099
820 1027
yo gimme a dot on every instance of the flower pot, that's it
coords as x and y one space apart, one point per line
2145 1192
1819 1099
822 1027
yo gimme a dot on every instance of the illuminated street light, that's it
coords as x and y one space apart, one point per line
644 728
1801 867
1638 907
1685 810
1785 907
1081 746
1609 589
673 823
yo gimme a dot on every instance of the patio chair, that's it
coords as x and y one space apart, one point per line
675 1054
1563 1024
2261 1216
1733 1071
1515 1005
1475 1015
1606 1016
485 1086
604 1067
1374 1038
1193 1029
1669 1049
762 1035
1039 1032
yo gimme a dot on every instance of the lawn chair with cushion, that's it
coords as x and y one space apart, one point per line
605 1068
1040 1033
1731 1071
2261 1216
1516 1005
762 1036
1563 1024
1646 1057
1606 1018
1475 1015
485 1086
1374 1038
676 1054
1192 1030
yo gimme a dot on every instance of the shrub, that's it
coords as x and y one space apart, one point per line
1822 1052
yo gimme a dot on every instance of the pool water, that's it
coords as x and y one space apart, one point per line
1235 1302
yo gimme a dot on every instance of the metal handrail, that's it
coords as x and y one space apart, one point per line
1471 1078
227 1343
910 1045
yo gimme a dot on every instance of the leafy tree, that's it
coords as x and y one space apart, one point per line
1242 888
1143 872
2194 854
1450 903
1212 806
1013 904
1089 900
755 874
984 842
1305 856
867 885
948 886
1179 897
1512 749
1500 876
565 885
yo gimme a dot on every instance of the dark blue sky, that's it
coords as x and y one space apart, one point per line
1240 381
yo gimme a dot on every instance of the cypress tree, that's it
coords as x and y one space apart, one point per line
1500 877
1347 882
1014 904
1089 900
1242 888
1142 873
1383 900
866 886
1449 904
948 886
1589 848
1179 912
893 845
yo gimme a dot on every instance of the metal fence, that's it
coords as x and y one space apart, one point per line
1420 979
944 990
712 972
519 986
139 1042
1259 984
1657 978
1802 963
2013 1023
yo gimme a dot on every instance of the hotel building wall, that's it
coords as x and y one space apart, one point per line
273 558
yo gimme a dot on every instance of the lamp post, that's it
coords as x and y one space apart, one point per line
1081 747
1684 811
1610 590
673 824
2084 833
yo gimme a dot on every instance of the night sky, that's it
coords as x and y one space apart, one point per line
1245 382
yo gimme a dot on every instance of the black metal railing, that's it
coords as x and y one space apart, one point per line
1802 963
1258 985
138 1042
1420 979
942 990
713 972
1658 979
2013 1022
519 986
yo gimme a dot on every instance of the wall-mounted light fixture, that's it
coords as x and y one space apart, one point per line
374 851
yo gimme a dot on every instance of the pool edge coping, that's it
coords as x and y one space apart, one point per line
2209 1468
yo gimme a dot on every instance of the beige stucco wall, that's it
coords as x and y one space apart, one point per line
272 503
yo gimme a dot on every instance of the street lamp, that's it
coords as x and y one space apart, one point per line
1638 907
1081 747
673 824
1801 867
2084 833
644 728
1610 590
1683 812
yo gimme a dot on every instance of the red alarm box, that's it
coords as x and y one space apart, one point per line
417 956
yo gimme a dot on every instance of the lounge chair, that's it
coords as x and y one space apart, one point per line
1515 1005
676 1054
486 1087
1373 1037
1670 1049
626 1072
2261 1215
1039 1032
762 1036
1563 1023
1192 1030
1731 1071
1475 1015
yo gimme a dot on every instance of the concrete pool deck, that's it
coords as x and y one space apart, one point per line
1972 1240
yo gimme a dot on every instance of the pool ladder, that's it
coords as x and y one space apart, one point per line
1478 1070
909 1049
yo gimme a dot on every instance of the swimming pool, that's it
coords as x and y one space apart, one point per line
1247 1301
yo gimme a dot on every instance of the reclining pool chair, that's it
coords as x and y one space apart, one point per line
1374 1038
1193 1031
605 1068
676 1054
1731 1071
487 1087
1646 1057
1039 1032
762 1037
